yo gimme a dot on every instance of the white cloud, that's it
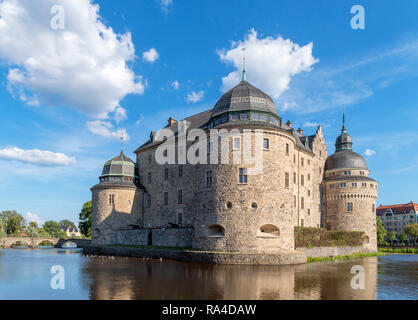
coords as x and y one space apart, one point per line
120 114
271 62
369 152
166 4
195 97
38 157
151 55
141 119
311 124
104 129
34 217
175 85
84 66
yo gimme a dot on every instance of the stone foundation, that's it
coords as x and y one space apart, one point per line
332 251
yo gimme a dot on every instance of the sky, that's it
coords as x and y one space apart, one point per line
75 76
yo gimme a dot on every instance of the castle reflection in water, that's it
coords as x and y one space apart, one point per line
149 279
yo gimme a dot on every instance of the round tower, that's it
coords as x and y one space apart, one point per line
349 191
116 200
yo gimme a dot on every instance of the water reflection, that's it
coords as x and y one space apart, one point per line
25 274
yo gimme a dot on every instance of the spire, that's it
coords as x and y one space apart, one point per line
344 141
343 129
121 145
244 78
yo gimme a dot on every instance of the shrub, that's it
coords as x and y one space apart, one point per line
315 237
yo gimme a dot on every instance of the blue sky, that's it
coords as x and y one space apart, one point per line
71 93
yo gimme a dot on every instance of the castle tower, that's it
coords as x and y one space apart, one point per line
116 200
349 191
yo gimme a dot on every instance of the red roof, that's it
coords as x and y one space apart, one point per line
400 208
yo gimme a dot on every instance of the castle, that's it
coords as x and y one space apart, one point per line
191 188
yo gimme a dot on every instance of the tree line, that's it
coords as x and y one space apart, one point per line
13 223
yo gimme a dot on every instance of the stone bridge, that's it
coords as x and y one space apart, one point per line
33 242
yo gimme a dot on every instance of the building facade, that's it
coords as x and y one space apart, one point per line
396 217
235 178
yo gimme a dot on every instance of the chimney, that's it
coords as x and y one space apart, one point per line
171 121
289 124
300 131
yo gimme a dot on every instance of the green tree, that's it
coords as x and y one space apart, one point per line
52 228
64 224
392 236
402 237
32 229
85 219
13 221
412 230
381 231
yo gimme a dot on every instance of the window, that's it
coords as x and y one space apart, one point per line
237 144
215 231
309 162
309 212
331 186
362 173
294 201
302 180
294 177
309 193
302 161
320 170
364 185
243 177
373 208
148 200
269 230
371 186
111 199
349 206
180 197
286 180
234 117
343 185
149 177
243 116
180 218
166 198
180 171
266 144
354 184
294 158
263 117
347 173
166 174
255 116
309 177
149 158
302 203
301 222
208 178
287 148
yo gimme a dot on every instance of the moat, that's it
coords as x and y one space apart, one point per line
25 274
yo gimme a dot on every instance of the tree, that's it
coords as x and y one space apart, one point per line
85 219
64 224
32 228
412 230
52 228
402 237
392 236
381 231
14 222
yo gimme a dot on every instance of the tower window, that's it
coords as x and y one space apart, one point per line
349 206
343 185
302 161
347 173
112 199
180 197
149 177
294 158
180 218
266 144
302 203
302 180
309 177
286 180
208 178
294 177
237 143
243 176
373 208
287 148
354 184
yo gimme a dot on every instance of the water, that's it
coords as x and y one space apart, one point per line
25 274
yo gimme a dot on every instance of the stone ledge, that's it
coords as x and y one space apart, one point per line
285 258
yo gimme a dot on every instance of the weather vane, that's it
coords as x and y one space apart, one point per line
244 58
121 142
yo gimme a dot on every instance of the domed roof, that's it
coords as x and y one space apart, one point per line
345 159
244 97
119 166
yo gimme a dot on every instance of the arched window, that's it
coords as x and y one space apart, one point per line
268 231
215 231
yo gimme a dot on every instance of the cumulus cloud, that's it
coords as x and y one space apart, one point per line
271 62
175 85
38 157
84 66
120 114
310 124
34 217
151 55
166 4
369 152
195 97
105 129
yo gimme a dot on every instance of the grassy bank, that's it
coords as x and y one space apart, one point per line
399 250
351 256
